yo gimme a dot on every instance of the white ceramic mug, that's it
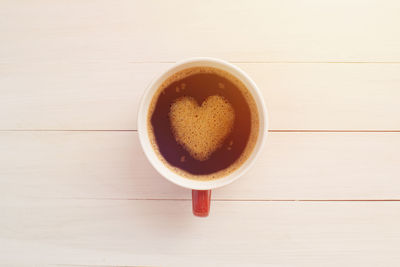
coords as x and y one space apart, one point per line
201 190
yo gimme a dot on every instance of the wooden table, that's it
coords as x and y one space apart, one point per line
76 188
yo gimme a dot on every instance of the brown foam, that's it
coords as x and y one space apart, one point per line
201 129
254 121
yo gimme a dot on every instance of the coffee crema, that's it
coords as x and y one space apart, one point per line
203 123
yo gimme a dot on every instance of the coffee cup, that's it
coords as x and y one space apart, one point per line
201 188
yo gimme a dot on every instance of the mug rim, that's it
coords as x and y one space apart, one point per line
142 124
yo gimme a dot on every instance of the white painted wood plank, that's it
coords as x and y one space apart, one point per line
309 30
112 165
105 95
165 233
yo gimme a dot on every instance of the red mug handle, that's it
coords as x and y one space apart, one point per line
201 202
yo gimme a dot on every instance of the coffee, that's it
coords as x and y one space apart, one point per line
203 123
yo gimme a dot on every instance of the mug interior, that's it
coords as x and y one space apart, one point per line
143 125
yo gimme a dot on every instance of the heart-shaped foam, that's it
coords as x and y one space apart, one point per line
201 129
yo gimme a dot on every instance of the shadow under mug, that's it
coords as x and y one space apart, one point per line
201 190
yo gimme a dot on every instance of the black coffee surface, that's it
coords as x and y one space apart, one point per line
201 86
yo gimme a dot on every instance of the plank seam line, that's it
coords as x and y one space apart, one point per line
233 200
232 61
278 62
131 130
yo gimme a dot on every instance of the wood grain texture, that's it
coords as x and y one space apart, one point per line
105 95
111 165
90 198
164 233
309 30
